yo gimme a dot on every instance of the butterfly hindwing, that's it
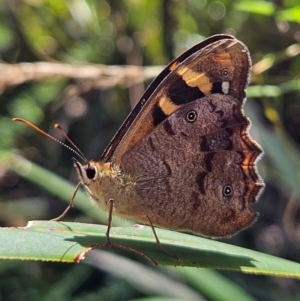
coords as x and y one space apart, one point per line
199 162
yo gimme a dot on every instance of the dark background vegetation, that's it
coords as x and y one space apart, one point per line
143 33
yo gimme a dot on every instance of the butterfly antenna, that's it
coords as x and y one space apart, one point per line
76 151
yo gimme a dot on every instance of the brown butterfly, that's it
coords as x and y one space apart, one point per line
183 159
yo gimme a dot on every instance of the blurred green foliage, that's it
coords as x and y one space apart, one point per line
151 32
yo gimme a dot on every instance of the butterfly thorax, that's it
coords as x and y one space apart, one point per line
105 181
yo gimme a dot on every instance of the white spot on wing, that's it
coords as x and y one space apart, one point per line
225 87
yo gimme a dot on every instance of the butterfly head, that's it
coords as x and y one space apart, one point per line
97 178
92 171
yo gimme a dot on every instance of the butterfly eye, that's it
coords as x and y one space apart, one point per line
191 116
227 190
91 172
225 72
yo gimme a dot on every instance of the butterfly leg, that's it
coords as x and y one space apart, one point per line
111 208
158 241
110 202
70 204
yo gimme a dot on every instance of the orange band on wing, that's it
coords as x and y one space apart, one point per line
195 79
167 106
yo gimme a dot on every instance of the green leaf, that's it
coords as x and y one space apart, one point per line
256 7
261 91
69 242
290 14
206 282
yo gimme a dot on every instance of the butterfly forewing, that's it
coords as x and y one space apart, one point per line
221 66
